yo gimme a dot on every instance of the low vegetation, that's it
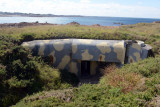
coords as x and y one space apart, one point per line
121 87
22 74
30 81
148 32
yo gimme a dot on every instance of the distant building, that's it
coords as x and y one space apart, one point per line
86 56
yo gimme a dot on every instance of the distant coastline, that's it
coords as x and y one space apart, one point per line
18 14
6 17
23 24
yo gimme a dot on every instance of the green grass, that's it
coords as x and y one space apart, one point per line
147 32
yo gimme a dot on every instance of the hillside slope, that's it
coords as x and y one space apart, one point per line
147 32
136 84
133 85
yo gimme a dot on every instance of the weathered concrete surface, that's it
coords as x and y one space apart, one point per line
68 53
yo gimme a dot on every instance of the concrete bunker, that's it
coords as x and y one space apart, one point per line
86 56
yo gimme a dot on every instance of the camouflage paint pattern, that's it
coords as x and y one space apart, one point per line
98 50
68 53
138 51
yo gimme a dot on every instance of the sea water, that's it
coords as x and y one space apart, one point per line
104 21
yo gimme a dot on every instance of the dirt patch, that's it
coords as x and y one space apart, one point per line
155 102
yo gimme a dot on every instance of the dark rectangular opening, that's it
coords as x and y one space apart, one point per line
85 68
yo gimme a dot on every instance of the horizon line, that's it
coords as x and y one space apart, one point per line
80 15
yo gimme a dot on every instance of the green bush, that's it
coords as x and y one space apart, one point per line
6 44
23 74
27 37
109 92
67 77
147 67
49 77
85 96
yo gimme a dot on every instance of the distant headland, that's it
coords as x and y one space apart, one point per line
18 14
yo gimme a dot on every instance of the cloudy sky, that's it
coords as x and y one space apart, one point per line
118 8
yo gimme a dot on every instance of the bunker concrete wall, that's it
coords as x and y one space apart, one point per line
68 53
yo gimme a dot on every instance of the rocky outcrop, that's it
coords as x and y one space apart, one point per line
156 22
73 23
96 25
22 24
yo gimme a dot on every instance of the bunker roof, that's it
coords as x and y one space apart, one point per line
85 49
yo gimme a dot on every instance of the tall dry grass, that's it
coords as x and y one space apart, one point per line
127 81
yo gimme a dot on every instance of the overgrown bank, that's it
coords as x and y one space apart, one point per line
22 74
147 32
132 85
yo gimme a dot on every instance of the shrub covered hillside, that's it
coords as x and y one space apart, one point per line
26 80
133 85
22 74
